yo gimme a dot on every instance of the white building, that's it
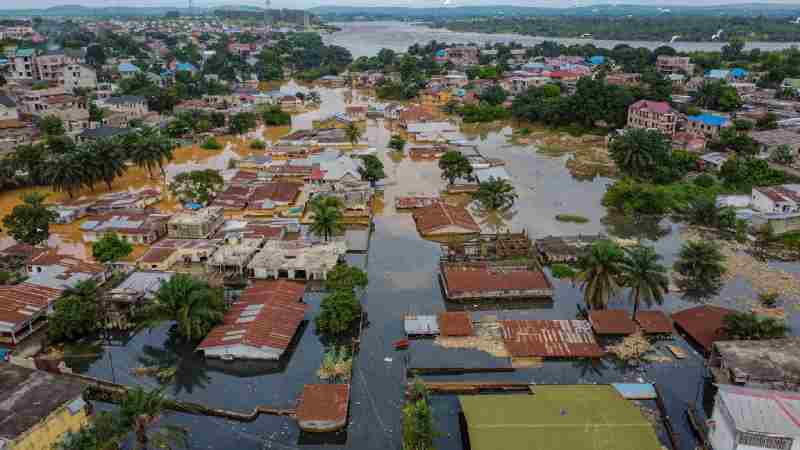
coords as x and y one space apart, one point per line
754 419
776 199
8 108
79 76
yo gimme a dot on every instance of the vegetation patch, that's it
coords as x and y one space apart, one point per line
573 218
211 144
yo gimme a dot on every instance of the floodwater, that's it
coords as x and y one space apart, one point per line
402 270
368 38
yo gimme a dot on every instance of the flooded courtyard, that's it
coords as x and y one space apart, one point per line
402 270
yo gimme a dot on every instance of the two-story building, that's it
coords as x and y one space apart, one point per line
706 125
674 64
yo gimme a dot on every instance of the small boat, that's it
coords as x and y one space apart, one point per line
401 344
677 351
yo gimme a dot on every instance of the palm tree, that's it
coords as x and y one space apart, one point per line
496 194
645 276
140 410
701 266
177 364
191 303
108 159
599 273
353 133
149 148
327 217
66 173
638 151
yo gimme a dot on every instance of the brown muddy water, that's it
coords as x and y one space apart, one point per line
402 271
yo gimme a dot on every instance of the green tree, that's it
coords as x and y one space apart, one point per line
191 303
274 116
750 327
494 95
95 55
140 410
339 311
353 133
197 186
344 277
51 126
645 276
701 265
418 428
397 143
75 314
454 165
327 217
29 222
783 154
68 172
639 152
242 122
107 159
103 433
111 248
372 169
599 271
149 149
768 121
497 194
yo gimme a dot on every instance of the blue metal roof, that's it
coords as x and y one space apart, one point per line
738 72
597 60
184 66
127 67
718 73
709 119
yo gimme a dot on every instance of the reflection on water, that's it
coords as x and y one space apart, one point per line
368 38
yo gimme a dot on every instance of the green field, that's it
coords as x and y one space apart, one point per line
586 417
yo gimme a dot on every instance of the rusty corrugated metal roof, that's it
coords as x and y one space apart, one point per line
703 323
453 324
612 321
550 338
323 403
654 322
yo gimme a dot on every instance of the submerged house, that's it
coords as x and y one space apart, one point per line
464 281
196 224
139 288
442 219
300 259
323 407
261 324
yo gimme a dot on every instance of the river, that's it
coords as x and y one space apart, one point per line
402 270
367 38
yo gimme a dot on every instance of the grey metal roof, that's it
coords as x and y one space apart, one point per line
498 173
769 359
421 325
7 101
125 99
762 410
144 282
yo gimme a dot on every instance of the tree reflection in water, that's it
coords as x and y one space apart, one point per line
177 363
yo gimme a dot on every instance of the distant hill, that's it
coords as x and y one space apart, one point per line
125 11
744 10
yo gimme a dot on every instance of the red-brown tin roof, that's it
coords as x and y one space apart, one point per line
704 324
654 322
550 338
612 322
454 324
323 403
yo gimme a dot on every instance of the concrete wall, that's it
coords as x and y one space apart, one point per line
50 431
240 351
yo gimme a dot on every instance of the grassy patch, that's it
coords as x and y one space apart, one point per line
571 218
561 271
211 144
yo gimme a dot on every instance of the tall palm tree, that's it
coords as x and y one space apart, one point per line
108 159
149 149
353 133
140 409
645 276
328 217
496 194
600 269
191 303
65 173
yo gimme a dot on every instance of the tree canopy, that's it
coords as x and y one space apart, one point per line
29 222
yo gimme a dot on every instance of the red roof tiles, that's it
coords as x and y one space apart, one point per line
612 321
441 217
455 324
656 107
277 192
323 404
550 338
483 278
704 324
21 302
266 315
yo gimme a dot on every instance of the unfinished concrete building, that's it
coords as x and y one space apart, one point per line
296 260
198 224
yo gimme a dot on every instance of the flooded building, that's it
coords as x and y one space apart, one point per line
164 254
463 281
133 293
127 200
323 407
49 269
611 322
703 324
261 324
564 416
769 364
443 219
271 198
37 408
301 259
550 339
196 224
23 310
754 419
136 228
564 249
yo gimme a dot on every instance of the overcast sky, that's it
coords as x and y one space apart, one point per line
9 4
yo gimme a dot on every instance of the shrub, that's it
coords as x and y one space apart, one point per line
258 144
211 144
571 218
704 180
561 271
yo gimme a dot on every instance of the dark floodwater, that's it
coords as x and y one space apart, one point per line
402 272
367 38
